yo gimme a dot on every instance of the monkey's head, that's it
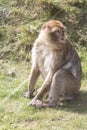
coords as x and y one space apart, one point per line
53 32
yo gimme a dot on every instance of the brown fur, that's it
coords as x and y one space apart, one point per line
54 57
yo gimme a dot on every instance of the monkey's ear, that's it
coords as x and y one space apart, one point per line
46 26
63 27
43 27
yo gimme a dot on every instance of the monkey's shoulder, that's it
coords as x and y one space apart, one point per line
41 48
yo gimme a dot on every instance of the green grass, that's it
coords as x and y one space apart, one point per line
16 114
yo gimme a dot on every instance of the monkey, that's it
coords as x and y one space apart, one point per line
54 57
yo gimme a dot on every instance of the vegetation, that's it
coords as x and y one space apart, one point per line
20 22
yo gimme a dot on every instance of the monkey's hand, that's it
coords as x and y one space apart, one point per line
38 103
29 94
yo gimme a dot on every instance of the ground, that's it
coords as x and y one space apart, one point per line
16 114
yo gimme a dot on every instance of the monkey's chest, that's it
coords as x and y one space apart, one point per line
48 61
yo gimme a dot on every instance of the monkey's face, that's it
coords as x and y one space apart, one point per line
57 35
54 31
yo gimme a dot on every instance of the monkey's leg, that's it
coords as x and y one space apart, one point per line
44 88
32 81
64 86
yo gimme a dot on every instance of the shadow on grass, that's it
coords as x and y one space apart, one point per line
78 104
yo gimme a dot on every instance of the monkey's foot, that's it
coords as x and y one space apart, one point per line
37 103
53 104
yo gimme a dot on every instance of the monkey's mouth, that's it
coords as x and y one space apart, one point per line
60 40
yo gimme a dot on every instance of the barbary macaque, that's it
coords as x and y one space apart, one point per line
56 60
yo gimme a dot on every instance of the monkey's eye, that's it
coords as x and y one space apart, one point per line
58 31
55 31
62 31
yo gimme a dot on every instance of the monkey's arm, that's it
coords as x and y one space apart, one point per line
32 81
45 86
